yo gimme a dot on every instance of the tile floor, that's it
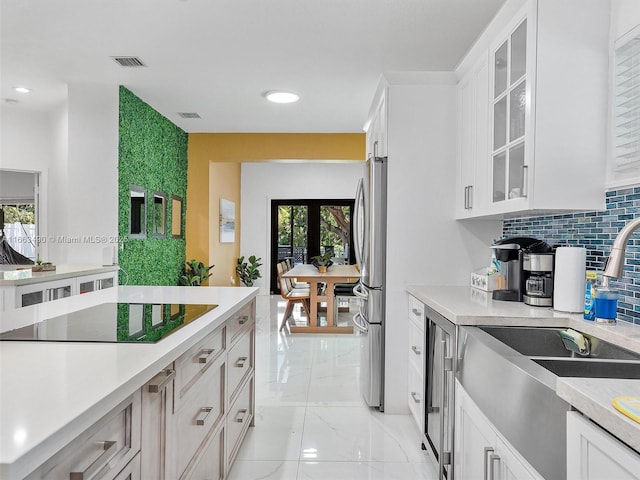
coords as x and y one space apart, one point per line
310 420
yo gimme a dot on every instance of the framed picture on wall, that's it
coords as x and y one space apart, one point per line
227 221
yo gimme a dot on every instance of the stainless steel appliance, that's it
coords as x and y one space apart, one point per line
537 269
440 375
509 252
370 238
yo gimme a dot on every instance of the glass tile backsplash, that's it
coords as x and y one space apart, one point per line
595 231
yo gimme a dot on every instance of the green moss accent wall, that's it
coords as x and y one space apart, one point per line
152 155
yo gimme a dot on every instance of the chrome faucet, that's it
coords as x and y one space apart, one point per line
615 262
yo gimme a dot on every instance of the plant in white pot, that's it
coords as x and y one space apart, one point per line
248 271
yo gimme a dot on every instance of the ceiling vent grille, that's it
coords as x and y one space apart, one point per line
129 61
189 115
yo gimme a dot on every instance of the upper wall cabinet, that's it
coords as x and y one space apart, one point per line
532 110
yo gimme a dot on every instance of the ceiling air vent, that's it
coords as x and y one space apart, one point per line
129 61
189 115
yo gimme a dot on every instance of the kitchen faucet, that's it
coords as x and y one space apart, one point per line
615 262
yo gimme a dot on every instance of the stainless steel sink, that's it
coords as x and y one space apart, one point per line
590 368
547 342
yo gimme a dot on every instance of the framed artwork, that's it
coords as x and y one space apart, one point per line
227 221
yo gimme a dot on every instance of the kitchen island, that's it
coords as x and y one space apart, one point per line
52 392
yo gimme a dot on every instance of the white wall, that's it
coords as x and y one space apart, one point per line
75 146
266 181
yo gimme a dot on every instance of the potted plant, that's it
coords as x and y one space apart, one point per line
248 271
322 262
194 273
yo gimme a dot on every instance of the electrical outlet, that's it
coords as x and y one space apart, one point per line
232 280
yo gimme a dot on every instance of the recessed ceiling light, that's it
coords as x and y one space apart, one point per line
280 96
22 89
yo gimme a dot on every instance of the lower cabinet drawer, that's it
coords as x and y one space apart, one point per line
240 358
239 418
416 394
102 451
210 465
131 471
239 321
198 415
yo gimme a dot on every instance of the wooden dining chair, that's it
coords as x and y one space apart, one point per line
293 296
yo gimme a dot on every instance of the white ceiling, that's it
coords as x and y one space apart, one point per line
217 57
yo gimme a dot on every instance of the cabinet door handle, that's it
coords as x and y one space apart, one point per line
110 449
466 198
205 354
416 350
203 415
470 197
244 319
241 415
415 397
525 181
487 450
375 149
493 458
161 380
240 362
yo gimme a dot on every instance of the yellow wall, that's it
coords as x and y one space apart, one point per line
214 172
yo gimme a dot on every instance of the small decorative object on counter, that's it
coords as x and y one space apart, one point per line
486 279
590 295
41 266
606 304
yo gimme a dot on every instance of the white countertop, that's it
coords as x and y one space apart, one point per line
51 392
591 396
25 276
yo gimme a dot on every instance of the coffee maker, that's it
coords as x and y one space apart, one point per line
511 253
538 278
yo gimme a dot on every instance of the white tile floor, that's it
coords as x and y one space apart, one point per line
310 420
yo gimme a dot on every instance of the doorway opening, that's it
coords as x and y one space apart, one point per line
302 229
19 196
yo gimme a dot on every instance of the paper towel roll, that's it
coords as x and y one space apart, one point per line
569 279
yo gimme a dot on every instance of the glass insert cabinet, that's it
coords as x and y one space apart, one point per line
509 171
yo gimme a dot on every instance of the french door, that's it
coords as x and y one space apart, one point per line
302 229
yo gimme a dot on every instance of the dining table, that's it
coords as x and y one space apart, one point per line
321 287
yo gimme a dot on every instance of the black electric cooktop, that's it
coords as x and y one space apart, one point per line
112 322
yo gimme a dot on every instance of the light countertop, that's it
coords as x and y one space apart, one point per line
50 392
591 396
25 276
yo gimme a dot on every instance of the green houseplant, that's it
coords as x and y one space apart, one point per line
194 273
322 262
248 271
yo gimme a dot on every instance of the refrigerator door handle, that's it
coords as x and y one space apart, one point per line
357 216
360 291
360 325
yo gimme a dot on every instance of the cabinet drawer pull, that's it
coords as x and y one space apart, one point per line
240 362
243 319
241 415
492 459
416 350
486 457
205 354
161 380
417 312
203 418
415 397
110 449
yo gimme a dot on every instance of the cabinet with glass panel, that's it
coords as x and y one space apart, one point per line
547 102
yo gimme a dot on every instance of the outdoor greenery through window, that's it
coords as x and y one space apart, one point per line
20 229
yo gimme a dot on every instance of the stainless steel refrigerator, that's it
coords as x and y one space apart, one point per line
370 237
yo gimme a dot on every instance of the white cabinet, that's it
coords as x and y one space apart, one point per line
480 451
197 411
108 449
44 292
595 454
416 353
377 130
473 130
547 111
